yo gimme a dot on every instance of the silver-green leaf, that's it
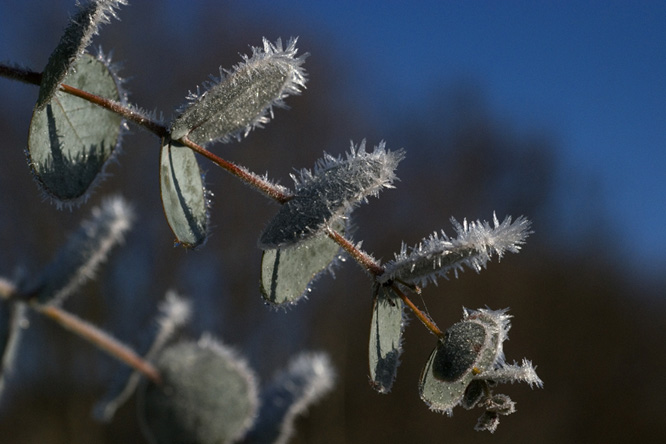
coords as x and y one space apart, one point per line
385 339
71 139
468 348
287 272
332 190
208 395
243 99
183 194
77 36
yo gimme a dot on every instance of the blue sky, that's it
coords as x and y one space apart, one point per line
591 73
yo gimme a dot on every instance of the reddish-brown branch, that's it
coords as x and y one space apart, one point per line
100 339
358 255
424 318
251 179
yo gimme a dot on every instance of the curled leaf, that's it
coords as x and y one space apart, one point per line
467 362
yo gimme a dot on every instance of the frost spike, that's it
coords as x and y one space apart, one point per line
474 246
242 99
78 260
332 190
83 26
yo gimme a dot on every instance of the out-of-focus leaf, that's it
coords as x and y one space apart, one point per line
77 261
183 194
385 339
12 316
70 139
307 378
207 395
287 273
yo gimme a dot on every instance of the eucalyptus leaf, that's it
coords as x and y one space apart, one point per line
208 395
333 190
468 347
385 339
183 194
76 38
287 272
71 139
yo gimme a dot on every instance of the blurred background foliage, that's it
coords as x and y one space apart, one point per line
592 325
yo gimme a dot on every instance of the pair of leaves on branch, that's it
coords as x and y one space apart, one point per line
230 107
72 139
296 247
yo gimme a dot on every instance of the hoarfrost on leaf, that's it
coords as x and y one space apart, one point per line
242 99
474 246
331 190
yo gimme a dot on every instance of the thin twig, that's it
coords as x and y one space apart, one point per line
257 182
100 339
360 256
127 113
424 318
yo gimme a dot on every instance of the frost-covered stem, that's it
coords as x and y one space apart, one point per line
125 112
259 183
424 318
20 74
35 78
100 339
360 256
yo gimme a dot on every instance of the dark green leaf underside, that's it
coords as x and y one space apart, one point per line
385 339
449 370
70 139
183 194
286 272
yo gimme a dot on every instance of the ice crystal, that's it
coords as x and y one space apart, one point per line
474 246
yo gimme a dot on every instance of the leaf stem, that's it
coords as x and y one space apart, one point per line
360 256
100 339
424 318
20 74
257 182
127 113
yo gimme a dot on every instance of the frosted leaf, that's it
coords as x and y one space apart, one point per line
243 98
385 346
332 190
77 261
307 378
207 395
467 362
474 246
78 34
71 140
288 273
